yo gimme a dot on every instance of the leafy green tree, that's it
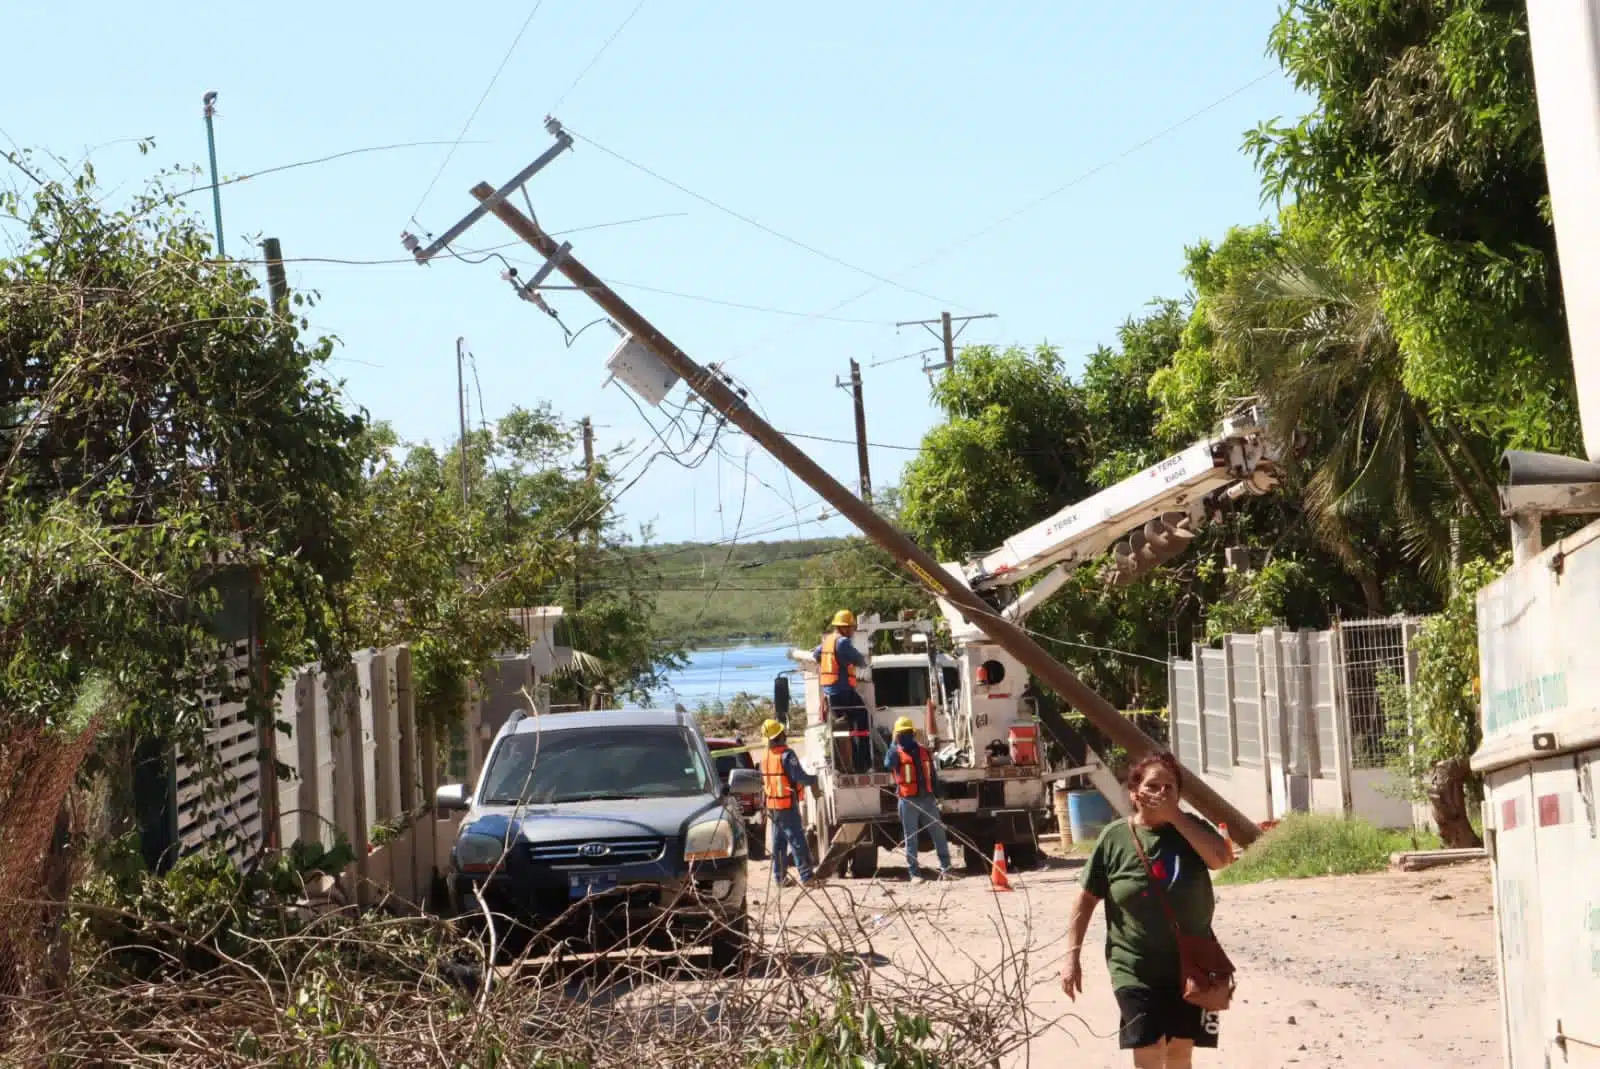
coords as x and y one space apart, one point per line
443 572
1423 159
1013 449
1118 403
1439 711
1316 341
166 438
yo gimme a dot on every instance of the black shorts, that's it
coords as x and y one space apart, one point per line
1152 1015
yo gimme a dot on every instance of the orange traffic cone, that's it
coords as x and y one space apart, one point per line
997 875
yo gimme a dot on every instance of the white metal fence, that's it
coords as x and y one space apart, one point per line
1290 721
359 767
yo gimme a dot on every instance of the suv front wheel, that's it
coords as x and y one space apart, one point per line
730 945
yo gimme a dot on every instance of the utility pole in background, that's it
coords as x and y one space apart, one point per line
210 103
277 281
724 399
587 532
588 466
863 462
947 335
461 411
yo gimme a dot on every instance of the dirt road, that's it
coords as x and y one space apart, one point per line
1377 972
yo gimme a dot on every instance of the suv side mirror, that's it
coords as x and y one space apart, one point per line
745 781
451 796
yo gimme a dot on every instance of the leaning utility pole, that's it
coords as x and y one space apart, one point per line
863 462
946 335
727 401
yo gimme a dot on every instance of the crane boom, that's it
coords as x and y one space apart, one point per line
1161 506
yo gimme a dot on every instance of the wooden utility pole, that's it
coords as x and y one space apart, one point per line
588 531
947 335
863 461
461 413
277 281
1004 633
588 470
261 677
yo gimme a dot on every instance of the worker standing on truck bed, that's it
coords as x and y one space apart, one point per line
911 764
837 660
783 777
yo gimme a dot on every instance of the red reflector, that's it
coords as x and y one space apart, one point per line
1508 814
983 674
1549 810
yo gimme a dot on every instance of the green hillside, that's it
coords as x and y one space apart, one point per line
708 594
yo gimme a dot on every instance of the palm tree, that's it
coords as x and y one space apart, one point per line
1314 340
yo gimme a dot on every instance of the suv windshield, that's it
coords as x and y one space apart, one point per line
584 764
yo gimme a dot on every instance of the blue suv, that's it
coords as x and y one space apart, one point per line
602 830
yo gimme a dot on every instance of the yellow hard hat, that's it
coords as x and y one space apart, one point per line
844 618
771 729
904 724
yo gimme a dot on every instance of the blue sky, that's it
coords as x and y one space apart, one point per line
879 134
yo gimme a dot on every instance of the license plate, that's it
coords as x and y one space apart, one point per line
584 884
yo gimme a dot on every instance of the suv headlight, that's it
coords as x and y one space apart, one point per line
710 840
479 853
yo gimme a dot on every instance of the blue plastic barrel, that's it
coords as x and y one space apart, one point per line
1087 813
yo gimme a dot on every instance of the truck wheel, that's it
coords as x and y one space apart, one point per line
864 861
758 842
1023 856
974 861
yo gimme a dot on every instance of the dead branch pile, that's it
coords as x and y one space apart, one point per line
818 988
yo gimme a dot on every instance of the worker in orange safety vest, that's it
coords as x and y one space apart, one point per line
837 660
916 781
783 777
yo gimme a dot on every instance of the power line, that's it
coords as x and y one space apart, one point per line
1084 176
320 159
763 227
1076 180
595 59
464 257
850 441
476 108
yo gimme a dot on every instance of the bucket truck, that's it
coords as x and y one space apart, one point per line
1539 679
973 701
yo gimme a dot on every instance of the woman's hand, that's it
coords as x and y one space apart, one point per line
1072 976
1159 806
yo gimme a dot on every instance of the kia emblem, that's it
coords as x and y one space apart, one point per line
593 850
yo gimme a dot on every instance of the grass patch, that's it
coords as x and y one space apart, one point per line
1307 844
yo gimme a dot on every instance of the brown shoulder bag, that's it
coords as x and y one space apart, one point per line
1208 975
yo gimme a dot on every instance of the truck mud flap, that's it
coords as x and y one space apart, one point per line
844 841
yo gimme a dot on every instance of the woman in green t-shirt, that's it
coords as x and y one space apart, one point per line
1159 1027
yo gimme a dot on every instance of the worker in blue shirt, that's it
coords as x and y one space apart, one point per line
783 777
917 784
837 660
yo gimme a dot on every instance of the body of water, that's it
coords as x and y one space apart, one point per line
721 673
